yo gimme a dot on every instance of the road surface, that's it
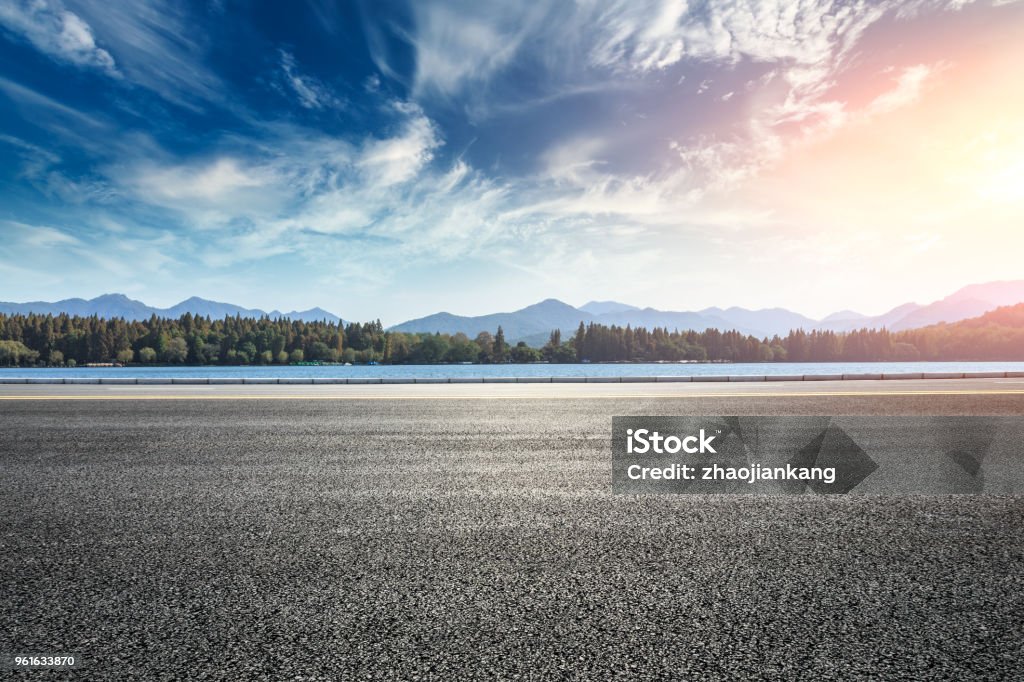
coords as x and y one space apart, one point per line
308 532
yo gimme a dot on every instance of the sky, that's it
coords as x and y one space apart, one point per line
394 159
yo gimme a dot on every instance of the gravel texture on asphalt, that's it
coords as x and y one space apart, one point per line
475 539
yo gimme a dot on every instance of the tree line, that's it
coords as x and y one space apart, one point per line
64 340
996 335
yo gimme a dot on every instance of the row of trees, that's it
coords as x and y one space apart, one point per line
997 335
66 340
71 340
598 343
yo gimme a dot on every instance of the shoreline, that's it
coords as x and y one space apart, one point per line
728 378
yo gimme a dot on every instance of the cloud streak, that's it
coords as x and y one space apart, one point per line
57 32
311 93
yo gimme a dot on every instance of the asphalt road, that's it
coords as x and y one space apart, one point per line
426 533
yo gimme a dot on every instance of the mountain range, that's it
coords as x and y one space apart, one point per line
119 305
534 323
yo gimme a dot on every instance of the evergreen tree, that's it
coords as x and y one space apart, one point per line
499 350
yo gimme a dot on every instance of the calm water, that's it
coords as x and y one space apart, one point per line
539 370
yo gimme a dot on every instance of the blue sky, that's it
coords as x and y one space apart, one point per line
391 159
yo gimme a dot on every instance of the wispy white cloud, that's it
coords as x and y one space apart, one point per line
396 159
157 46
575 159
144 42
41 168
37 102
909 84
466 42
804 33
50 256
218 194
723 162
311 93
57 32
289 188
224 177
38 236
36 160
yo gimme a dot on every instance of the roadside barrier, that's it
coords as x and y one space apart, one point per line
510 380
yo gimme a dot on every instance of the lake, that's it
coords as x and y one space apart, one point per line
536 370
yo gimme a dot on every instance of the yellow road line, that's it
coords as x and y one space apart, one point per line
573 396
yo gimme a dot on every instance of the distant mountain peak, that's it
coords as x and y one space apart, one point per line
605 307
312 313
843 315
119 305
549 303
1003 292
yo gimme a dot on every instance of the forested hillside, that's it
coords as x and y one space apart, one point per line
64 340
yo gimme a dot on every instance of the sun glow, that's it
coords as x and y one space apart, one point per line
1005 185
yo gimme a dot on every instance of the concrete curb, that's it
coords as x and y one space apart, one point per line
898 376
